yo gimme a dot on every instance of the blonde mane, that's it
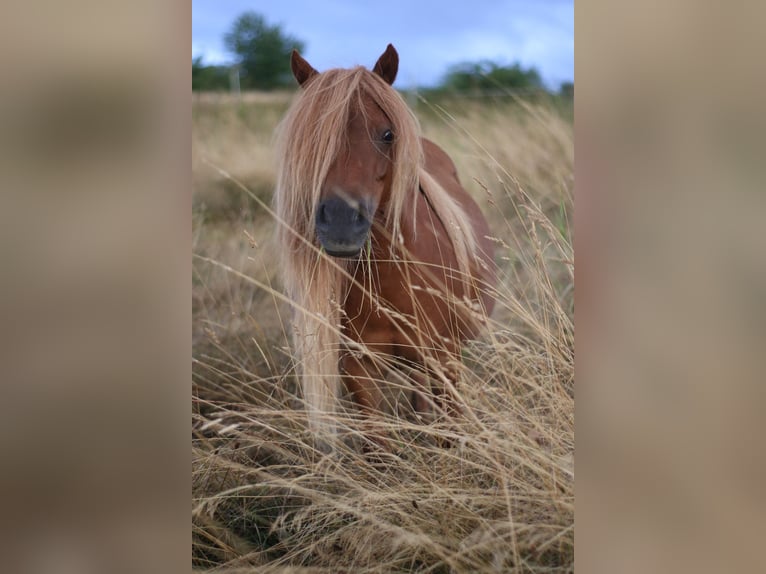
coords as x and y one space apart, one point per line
309 138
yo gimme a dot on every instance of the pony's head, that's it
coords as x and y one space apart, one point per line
350 150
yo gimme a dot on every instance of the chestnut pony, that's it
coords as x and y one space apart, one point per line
385 255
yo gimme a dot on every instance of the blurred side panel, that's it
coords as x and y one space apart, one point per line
671 286
94 245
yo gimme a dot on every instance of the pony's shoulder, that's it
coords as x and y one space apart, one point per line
437 162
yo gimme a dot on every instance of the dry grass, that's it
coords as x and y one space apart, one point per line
501 498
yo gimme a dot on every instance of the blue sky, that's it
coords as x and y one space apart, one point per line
429 35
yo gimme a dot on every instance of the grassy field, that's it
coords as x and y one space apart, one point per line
501 498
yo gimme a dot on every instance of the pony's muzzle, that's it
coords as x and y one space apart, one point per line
342 226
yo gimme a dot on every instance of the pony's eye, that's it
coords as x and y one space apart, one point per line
388 136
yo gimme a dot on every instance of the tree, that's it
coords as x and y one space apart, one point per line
263 52
209 78
486 76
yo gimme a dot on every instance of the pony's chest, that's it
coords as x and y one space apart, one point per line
381 290
390 303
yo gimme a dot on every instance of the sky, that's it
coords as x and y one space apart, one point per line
430 35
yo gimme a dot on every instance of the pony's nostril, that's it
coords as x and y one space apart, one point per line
322 216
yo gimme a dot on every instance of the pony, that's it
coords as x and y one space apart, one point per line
386 256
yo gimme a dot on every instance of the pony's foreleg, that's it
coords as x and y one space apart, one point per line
434 395
445 388
435 378
361 376
421 401
444 380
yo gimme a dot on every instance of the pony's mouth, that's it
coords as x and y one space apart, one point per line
339 250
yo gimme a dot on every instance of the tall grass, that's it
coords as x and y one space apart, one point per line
501 498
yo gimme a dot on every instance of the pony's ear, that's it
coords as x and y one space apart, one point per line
387 65
302 70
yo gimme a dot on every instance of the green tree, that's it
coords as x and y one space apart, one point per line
262 51
487 76
209 78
